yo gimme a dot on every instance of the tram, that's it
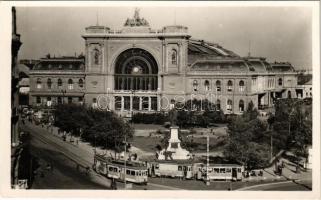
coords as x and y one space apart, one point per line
134 172
197 170
231 172
173 169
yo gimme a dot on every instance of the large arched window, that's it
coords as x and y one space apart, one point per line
59 83
280 81
174 57
207 85
70 84
136 69
229 105
241 85
229 86
39 83
241 105
49 83
81 83
218 86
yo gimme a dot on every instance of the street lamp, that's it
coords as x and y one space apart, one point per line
125 171
207 161
291 113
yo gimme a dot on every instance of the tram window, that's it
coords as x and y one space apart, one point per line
127 172
115 169
184 168
139 173
216 170
157 166
228 170
110 169
132 173
179 168
222 170
239 170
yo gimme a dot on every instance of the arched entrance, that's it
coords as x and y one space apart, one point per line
136 81
136 69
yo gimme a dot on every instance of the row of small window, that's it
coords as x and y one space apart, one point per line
59 100
60 83
229 105
136 101
219 86
221 170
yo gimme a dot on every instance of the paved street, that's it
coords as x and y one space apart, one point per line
65 156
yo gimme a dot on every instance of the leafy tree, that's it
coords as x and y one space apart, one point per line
291 125
247 142
100 128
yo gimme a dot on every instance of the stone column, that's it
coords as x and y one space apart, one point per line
140 103
149 103
122 104
131 103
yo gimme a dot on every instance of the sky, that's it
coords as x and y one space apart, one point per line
281 34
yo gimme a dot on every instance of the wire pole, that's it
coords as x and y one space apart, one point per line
125 163
207 161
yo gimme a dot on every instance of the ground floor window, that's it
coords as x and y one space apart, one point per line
59 100
69 100
153 103
117 103
136 103
126 103
241 105
229 105
145 103
48 101
38 100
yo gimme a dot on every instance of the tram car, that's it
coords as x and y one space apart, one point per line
170 168
135 172
231 172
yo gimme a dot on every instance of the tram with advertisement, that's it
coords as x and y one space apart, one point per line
134 172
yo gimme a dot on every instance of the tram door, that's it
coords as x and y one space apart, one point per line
234 173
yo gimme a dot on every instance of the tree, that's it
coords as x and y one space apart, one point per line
246 140
292 125
100 128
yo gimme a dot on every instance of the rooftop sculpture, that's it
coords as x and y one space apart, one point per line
136 21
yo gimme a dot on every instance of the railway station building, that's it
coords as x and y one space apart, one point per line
138 69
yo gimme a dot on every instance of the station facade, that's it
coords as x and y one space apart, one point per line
137 69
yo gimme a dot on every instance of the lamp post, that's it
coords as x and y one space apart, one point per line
291 113
125 171
207 161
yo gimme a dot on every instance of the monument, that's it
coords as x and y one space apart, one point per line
174 149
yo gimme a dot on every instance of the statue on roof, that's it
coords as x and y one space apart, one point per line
136 20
